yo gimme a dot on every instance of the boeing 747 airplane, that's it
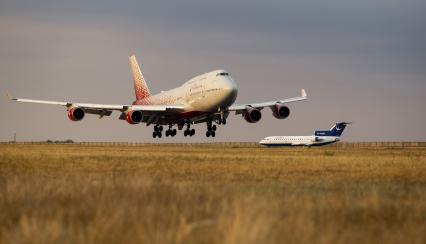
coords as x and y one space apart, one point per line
319 139
206 98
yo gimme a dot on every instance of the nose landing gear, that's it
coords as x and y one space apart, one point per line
222 121
222 118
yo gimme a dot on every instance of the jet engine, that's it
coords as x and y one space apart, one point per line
76 114
252 115
280 111
134 117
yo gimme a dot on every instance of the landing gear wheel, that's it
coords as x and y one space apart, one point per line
208 133
213 128
213 133
192 132
224 121
159 134
167 133
173 132
154 134
185 132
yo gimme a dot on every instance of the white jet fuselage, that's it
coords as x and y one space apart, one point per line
208 92
276 141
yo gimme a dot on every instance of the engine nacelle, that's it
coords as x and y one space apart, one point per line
134 117
76 114
252 115
280 111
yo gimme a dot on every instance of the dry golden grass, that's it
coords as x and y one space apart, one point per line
199 194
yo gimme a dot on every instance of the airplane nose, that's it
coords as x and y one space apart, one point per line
229 84
231 91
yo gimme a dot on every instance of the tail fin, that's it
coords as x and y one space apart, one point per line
336 130
141 89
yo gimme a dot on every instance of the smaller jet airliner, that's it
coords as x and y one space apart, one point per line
320 138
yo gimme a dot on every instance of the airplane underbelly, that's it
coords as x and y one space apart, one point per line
205 104
210 101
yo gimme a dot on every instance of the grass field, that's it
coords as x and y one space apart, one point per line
201 194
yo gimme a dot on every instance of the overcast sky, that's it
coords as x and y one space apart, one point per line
362 61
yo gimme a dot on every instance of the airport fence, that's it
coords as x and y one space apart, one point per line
404 144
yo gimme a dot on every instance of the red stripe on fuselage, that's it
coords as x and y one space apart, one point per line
191 114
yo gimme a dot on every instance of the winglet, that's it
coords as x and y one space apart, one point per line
8 96
303 93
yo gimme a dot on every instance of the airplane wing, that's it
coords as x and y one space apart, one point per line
239 108
104 109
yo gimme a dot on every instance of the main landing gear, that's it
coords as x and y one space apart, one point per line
211 129
157 131
188 131
170 132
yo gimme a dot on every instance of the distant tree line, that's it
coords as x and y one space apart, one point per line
57 141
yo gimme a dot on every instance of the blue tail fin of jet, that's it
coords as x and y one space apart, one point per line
336 130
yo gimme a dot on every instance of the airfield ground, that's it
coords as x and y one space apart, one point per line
211 194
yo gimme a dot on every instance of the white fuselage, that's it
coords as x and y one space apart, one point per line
208 92
276 141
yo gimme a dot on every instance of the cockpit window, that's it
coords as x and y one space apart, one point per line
222 74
